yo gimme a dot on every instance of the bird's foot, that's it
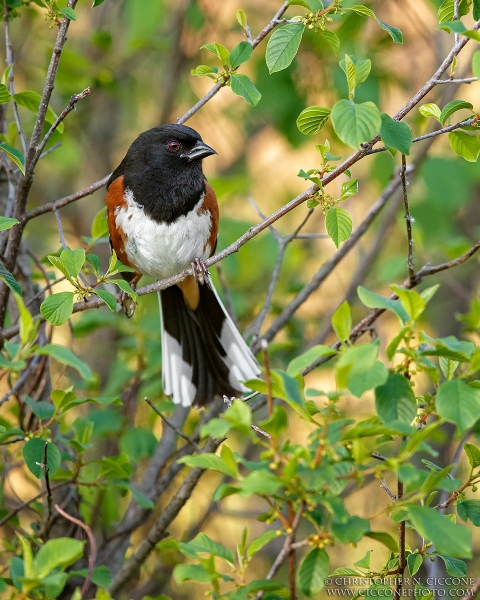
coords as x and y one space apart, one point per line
200 271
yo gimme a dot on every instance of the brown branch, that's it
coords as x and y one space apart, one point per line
408 218
11 83
159 529
93 547
57 204
26 504
470 594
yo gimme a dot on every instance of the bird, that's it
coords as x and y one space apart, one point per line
163 218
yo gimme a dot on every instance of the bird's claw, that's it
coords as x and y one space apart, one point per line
200 271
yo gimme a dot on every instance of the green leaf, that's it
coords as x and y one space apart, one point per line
58 308
355 123
448 347
395 401
454 567
260 542
198 573
396 134
67 357
33 452
356 71
31 101
299 3
207 461
469 509
414 562
384 538
459 27
430 110
73 260
242 86
15 155
476 64
296 366
59 552
342 321
108 298
283 46
364 563
452 107
312 571
220 51
439 529
69 13
358 369
260 482
373 300
394 32
126 287
465 145
412 302
459 403
4 94
350 531
97 3
349 68
476 9
203 544
312 119
446 10
242 18
10 280
276 423
41 409
349 189
333 40
217 428
7 223
338 224
473 455
240 54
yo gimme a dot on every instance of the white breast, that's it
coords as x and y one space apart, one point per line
161 249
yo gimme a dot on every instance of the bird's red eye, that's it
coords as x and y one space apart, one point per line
173 146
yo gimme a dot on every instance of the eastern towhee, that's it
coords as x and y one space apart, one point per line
163 217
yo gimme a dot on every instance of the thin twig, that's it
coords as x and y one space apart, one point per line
408 218
385 487
229 402
92 557
366 323
285 548
60 230
226 294
11 82
70 106
57 204
26 504
268 379
473 591
159 529
178 431
402 559
466 80
23 378
45 469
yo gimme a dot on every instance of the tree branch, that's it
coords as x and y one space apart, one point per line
408 218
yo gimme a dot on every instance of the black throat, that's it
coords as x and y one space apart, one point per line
166 196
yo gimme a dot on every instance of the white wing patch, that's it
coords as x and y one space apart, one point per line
161 249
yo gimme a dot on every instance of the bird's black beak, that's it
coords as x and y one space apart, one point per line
199 151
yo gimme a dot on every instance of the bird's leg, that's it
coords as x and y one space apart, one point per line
127 303
200 271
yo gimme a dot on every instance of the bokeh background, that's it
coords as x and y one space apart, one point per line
136 56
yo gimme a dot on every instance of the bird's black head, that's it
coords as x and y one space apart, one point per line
163 168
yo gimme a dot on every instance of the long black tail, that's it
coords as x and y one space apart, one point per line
203 353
